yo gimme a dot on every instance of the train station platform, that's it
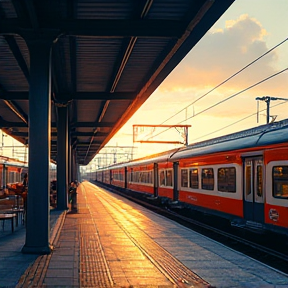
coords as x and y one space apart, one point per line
113 242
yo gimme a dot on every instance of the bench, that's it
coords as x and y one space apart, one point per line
5 216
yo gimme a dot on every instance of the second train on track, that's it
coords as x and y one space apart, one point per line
242 176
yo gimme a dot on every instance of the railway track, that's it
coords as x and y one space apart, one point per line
270 249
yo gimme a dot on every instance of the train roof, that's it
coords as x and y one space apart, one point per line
12 162
273 133
155 158
160 157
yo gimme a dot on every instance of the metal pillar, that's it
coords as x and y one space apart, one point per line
62 158
73 166
69 157
268 99
38 214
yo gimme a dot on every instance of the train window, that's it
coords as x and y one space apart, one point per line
259 185
169 178
135 176
280 181
194 179
140 178
131 175
248 179
11 177
162 178
18 177
145 177
227 179
207 180
150 177
184 178
106 176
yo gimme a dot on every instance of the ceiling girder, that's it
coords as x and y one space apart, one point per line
98 28
7 124
32 14
73 96
18 55
75 134
92 124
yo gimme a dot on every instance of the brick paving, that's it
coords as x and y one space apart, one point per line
94 249
111 243
13 263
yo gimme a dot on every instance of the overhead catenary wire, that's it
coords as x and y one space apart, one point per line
236 94
226 99
238 121
229 78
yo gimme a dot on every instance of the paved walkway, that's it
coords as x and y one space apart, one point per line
112 242
13 263
81 259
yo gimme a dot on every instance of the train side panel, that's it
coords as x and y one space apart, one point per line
241 176
118 177
166 180
212 182
276 206
141 178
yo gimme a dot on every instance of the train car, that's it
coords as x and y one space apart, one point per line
98 176
143 174
117 176
11 171
140 178
242 176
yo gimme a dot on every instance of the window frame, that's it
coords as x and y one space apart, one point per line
273 182
225 180
203 178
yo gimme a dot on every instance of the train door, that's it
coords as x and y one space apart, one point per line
125 177
253 189
110 177
5 176
2 180
175 188
155 179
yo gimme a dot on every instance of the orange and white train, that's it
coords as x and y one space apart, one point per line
241 176
11 173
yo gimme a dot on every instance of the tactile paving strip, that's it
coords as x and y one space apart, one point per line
172 268
94 271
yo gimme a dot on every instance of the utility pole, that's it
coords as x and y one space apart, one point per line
267 99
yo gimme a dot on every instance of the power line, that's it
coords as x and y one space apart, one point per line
229 78
236 94
226 99
253 114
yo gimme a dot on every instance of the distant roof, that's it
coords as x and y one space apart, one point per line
108 59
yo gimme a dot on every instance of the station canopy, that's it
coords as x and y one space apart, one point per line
107 58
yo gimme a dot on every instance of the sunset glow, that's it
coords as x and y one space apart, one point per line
246 31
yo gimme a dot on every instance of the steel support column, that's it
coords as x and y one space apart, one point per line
70 178
73 168
62 158
38 213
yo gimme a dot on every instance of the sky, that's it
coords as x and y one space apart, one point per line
247 30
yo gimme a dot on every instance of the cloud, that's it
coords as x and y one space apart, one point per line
217 56
221 53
